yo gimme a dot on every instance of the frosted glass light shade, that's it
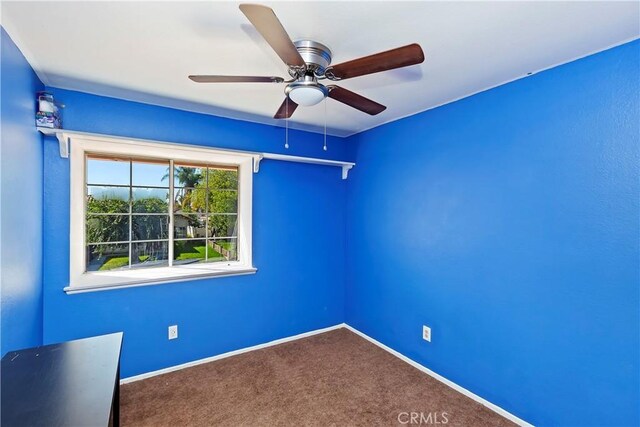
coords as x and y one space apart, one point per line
306 95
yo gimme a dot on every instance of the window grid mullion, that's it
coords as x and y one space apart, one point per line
130 212
171 213
124 242
206 216
238 207
127 214
155 187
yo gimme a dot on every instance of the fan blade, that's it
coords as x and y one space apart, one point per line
235 79
286 111
395 58
354 100
268 25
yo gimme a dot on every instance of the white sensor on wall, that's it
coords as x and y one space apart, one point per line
426 333
173 332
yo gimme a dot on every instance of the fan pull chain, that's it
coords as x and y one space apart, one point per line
286 123
324 147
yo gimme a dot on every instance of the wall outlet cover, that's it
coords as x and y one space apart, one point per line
173 332
426 333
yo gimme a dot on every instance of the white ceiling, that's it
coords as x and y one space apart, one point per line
143 51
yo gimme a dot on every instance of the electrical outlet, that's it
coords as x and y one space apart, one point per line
426 333
173 332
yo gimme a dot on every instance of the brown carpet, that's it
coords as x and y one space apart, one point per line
335 378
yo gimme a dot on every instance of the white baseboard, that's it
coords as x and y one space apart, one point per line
228 354
456 387
402 357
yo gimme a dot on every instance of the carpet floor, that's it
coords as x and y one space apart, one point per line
335 378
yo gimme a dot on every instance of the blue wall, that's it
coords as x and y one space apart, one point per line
508 222
299 246
21 201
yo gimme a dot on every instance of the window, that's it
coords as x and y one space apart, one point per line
129 209
147 212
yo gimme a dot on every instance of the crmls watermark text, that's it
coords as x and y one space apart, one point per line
433 418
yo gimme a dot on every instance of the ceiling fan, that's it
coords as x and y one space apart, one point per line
309 61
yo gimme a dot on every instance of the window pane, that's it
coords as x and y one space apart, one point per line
107 172
223 201
107 199
188 176
107 228
150 173
189 226
190 200
150 254
188 251
107 257
150 200
223 225
150 227
223 179
223 250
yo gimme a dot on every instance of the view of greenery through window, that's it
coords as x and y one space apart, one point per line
128 213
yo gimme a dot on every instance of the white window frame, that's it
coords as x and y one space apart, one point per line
82 281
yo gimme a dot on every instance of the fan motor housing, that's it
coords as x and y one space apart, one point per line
315 54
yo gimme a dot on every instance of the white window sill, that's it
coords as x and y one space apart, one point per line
102 281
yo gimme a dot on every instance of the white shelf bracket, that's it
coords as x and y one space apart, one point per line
63 140
345 171
256 163
63 143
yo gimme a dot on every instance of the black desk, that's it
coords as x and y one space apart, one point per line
76 383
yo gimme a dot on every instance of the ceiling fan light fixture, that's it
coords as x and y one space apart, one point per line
309 60
306 93
306 96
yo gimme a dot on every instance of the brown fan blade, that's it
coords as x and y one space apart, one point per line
286 111
354 100
235 79
395 58
268 25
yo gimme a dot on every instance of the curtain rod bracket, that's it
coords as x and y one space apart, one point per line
345 171
256 163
